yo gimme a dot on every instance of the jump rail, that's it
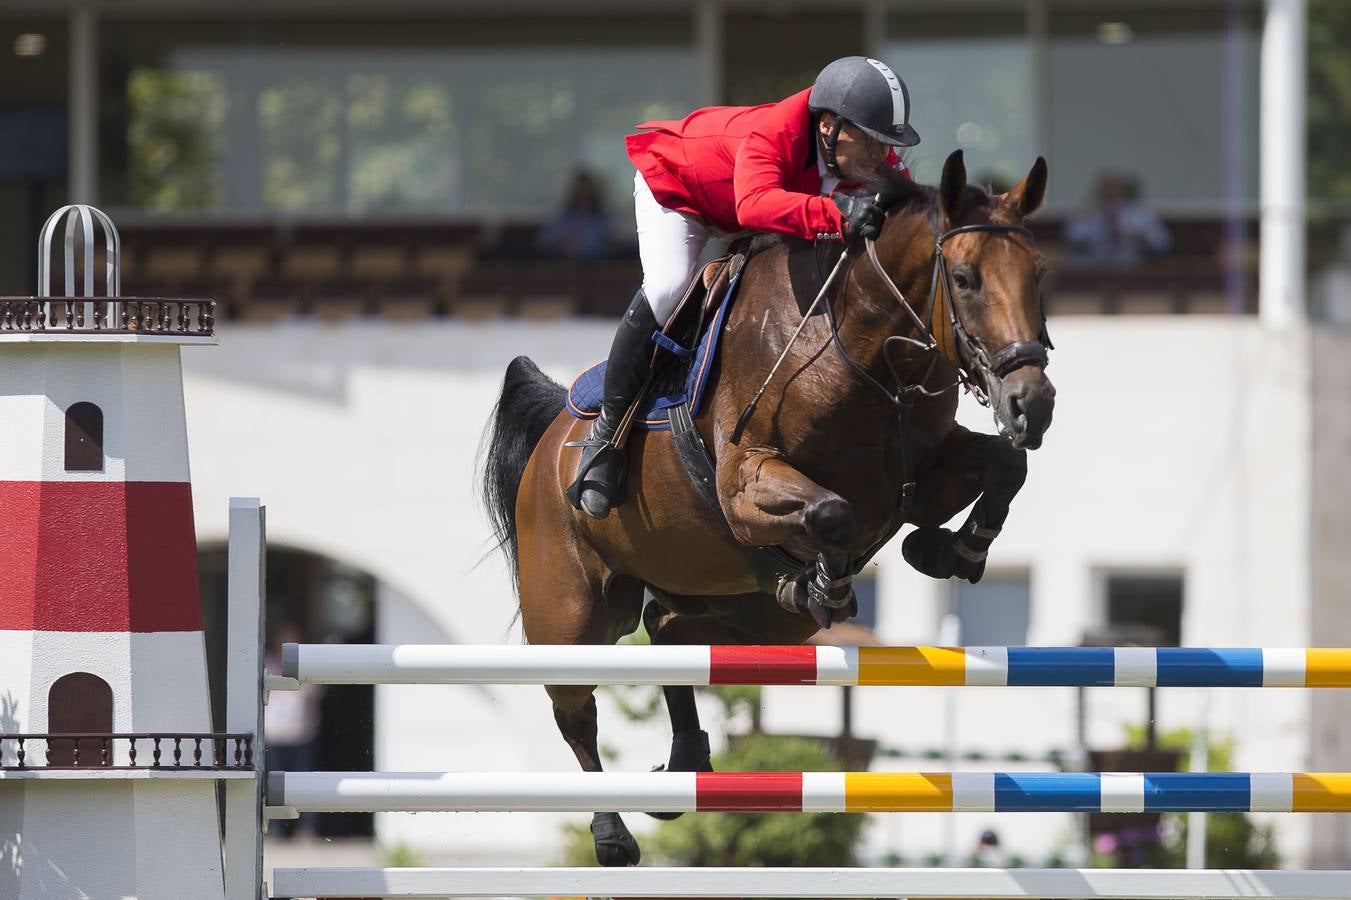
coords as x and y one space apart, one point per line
997 884
915 666
810 792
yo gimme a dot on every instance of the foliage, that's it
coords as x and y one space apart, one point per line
763 839
1329 99
176 139
400 856
1233 840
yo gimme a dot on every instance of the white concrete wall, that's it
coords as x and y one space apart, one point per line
1178 443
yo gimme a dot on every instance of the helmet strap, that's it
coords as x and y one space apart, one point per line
828 148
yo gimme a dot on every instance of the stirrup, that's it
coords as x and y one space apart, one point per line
594 452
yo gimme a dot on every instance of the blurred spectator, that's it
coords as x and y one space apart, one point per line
1332 286
290 727
988 853
1118 230
581 230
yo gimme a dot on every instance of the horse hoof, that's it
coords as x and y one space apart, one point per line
615 845
933 551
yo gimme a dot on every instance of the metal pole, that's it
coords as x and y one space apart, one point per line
708 31
243 845
84 53
1196 821
1235 151
950 635
1037 23
1281 293
874 27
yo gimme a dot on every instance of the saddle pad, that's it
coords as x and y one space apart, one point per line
584 396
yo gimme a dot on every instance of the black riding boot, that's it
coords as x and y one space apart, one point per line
600 474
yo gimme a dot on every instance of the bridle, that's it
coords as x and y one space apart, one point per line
979 370
976 369
960 346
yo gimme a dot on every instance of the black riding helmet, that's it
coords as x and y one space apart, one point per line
867 93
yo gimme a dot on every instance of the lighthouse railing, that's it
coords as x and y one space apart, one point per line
106 315
138 750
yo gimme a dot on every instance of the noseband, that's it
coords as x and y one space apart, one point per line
975 367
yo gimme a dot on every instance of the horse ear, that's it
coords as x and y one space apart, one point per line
952 189
1027 197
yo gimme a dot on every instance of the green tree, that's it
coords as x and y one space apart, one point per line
175 139
1329 100
1233 840
764 839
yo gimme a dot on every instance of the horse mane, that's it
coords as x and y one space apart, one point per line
898 194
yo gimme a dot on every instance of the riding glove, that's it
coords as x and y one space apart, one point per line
862 216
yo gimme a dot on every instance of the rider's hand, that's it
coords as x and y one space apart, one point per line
862 216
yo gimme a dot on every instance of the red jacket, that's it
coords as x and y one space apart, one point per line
739 167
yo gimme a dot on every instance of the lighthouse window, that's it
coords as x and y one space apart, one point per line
84 438
78 703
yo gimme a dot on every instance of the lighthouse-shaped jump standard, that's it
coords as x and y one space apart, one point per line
100 616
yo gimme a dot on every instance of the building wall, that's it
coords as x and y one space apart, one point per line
1178 443
1330 736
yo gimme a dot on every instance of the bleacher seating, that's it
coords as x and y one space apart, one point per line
410 270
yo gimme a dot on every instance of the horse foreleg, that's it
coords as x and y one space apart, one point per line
769 502
983 467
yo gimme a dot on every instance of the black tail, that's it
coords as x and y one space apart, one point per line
530 401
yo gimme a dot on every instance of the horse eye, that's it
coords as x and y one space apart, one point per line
963 283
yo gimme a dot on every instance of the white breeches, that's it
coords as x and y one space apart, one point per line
669 245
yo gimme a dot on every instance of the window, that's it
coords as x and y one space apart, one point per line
996 611
1166 98
1144 609
483 117
79 703
971 86
865 592
84 438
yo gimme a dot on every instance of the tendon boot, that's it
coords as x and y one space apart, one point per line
599 485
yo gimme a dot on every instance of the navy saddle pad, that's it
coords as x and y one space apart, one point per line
584 396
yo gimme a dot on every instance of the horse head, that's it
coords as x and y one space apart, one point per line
985 308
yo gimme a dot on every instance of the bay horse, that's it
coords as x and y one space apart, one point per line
853 438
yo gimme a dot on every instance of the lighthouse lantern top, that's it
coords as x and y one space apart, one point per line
83 311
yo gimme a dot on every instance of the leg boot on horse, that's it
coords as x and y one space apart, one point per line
599 485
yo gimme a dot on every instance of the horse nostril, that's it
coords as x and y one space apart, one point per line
1016 409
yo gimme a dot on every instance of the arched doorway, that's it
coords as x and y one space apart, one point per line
311 598
78 703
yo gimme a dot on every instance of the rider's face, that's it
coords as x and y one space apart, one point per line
857 155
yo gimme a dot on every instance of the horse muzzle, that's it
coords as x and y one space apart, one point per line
1024 403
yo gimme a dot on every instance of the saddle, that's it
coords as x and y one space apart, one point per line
683 365
684 355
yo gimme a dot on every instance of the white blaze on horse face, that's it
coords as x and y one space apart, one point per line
898 104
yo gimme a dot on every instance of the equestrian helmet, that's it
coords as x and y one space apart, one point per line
869 94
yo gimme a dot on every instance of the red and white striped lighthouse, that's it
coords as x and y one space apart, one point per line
100 615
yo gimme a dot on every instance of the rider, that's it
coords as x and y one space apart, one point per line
782 167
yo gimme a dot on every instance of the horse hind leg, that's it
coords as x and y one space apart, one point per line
586 614
575 714
689 742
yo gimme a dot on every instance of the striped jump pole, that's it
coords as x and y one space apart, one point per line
838 792
848 666
991 884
